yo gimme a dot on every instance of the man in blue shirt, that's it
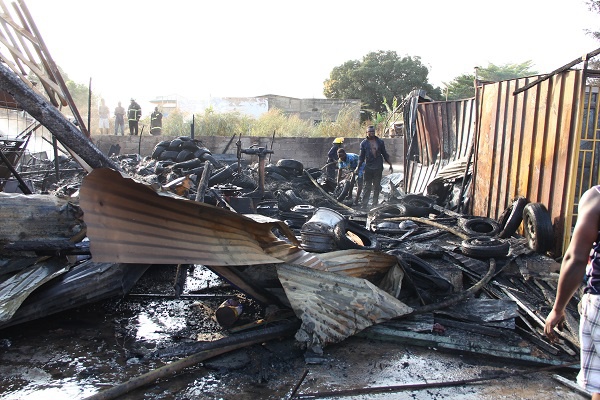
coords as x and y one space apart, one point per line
349 161
372 154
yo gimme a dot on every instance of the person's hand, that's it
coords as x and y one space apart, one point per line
391 169
554 320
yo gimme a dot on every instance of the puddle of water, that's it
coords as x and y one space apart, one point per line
41 387
201 278
158 327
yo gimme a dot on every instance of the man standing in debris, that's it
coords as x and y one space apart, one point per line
119 119
372 154
134 113
576 264
156 122
350 161
103 113
332 156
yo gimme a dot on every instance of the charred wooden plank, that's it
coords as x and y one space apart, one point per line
41 218
49 116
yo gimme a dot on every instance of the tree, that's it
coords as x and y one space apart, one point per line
504 72
378 76
462 87
594 6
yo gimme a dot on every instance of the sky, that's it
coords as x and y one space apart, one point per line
198 50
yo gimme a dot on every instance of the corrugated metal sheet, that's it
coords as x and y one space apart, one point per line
525 145
131 223
442 134
333 307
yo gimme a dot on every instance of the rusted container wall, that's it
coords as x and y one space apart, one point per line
444 131
587 172
525 144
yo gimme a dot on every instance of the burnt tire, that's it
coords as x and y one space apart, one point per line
168 155
158 150
220 176
484 247
479 226
537 227
199 152
190 164
292 165
175 144
184 155
343 239
343 191
414 205
209 157
511 218
189 145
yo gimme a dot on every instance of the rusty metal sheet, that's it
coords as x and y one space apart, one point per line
129 222
524 145
444 132
365 264
333 307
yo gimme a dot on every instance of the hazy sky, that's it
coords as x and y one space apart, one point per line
198 49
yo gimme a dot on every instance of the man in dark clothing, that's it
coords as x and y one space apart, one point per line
332 156
134 113
372 153
156 122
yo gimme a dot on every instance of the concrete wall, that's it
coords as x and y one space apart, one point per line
314 110
312 152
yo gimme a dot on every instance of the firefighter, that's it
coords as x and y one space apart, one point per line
156 122
134 113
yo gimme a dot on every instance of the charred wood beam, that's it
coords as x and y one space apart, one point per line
48 247
203 184
470 327
22 184
204 352
39 108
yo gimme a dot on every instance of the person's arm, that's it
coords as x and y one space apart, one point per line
576 257
386 156
339 175
361 158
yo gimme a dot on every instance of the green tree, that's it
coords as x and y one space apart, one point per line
504 72
462 87
378 76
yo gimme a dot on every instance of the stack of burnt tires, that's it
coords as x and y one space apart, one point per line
490 236
181 149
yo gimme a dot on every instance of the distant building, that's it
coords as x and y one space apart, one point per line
313 110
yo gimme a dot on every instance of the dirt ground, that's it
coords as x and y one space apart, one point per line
82 352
